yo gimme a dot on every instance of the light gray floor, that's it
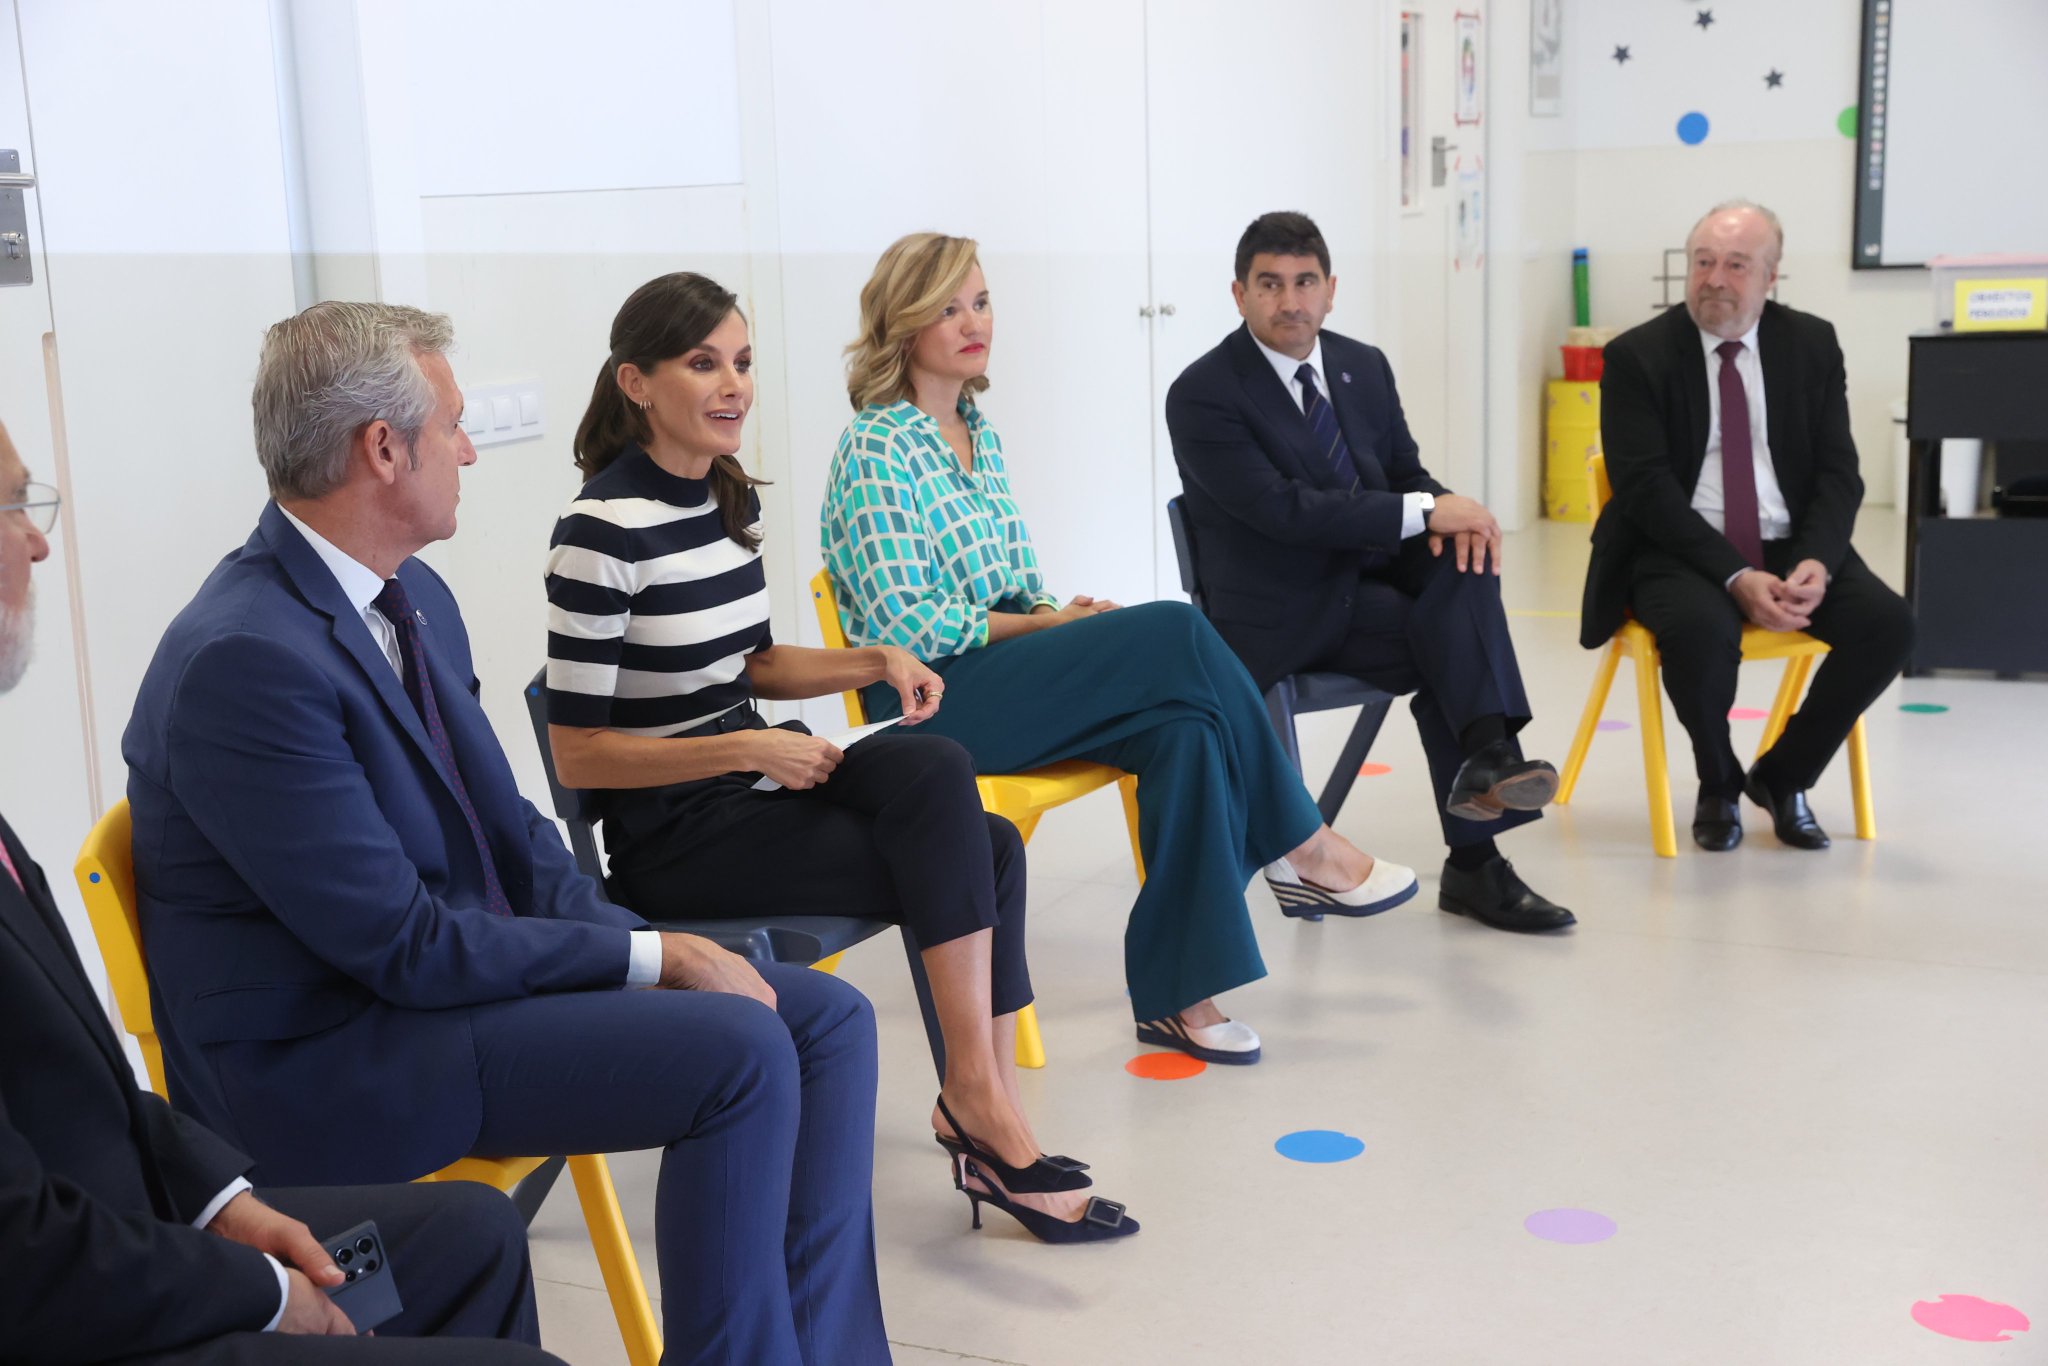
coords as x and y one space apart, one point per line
1807 1087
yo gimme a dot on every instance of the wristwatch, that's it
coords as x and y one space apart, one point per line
1428 502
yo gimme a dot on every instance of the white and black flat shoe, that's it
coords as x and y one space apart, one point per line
1232 1042
1387 886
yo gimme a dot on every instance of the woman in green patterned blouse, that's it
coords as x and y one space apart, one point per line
927 551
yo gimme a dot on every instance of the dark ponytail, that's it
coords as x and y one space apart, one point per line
663 319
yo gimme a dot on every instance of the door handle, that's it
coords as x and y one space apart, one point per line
17 180
1438 169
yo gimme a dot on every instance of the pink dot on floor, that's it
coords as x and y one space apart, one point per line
1165 1066
1747 714
1613 725
1969 1318
1373 770
1570 1226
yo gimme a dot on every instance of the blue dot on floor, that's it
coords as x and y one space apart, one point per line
1318 1145
1692 129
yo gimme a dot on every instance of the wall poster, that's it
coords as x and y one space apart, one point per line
1546 58
1411 110
1465 43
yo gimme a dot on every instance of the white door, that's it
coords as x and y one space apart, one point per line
1237 130
1436 335
46 762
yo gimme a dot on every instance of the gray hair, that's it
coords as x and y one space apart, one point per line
330 370
1730 206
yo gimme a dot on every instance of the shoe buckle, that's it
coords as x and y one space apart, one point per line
1108 1213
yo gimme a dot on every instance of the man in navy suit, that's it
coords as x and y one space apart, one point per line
1325 545
371 956
132 1232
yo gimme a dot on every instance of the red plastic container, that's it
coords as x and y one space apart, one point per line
1583 364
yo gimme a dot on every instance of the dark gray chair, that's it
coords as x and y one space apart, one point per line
1301 693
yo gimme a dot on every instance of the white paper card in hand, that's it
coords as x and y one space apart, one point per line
840 742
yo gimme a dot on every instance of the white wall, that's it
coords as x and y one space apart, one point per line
1614 177
156 140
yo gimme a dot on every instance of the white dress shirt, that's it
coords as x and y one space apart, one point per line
1412 517
1773 516
360 585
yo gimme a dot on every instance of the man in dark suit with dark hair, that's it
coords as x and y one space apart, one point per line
1726 428
131 1231
1325 545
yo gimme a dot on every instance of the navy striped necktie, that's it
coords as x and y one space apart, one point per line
1322 420
397 609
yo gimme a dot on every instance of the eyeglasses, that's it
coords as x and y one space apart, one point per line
39 503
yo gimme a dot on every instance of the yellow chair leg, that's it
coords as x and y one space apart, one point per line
1030 1044
829 966
1859 782
1790 689
1026 826
1128 787
615 1259
1656 776
1589 722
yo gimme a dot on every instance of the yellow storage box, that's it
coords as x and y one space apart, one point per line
1571 428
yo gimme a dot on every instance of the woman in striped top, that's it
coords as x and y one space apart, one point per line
658 645
928 551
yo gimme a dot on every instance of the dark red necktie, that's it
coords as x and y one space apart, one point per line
397 610
1739 521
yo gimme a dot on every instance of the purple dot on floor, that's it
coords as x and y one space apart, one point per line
1318 1145
1612 725
1570 1226
1747 714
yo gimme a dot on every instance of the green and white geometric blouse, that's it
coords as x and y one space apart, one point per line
919 550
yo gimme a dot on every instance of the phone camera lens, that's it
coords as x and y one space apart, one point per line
366 1245
369 1265
344 1255
348 1277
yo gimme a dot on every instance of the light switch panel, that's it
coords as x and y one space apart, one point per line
497 413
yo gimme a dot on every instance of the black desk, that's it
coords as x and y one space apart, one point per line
1978 585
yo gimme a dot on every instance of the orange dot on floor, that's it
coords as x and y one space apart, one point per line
1373 770
1165 1066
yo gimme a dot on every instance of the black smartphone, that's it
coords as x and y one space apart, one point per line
370 1295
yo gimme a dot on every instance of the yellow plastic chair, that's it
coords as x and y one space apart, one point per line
1635 643
106 876
1020 798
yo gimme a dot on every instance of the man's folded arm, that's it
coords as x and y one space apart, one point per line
260 760
1227 463
1646 491
81 1281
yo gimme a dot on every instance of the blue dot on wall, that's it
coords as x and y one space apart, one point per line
1692 129
1318 1145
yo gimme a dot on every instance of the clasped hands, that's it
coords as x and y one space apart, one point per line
307 1267
1777 604
1472 531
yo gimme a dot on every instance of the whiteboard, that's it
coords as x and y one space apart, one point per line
1954 108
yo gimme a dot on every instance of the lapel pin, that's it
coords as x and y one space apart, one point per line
1345 376
419 616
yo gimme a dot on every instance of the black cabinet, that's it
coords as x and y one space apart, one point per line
1978 585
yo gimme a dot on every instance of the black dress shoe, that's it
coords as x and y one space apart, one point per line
1717 823
1493 895
1790 816
1497 779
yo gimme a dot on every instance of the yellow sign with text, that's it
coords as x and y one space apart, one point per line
2001 305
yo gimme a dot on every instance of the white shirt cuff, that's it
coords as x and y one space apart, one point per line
1729 582
284 1293
643 961
1412 523
219 1202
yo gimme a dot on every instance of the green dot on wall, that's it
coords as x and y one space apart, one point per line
1846 121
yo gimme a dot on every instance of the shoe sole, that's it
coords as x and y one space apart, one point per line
1159 1039
1456 907
1309 903
1530 791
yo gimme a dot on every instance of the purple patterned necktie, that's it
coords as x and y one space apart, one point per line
1322 420
1739 521
397 610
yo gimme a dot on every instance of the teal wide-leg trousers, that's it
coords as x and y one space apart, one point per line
1154 691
